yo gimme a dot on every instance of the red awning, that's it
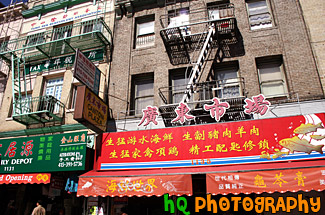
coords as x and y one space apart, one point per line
135 186
282 180
25 178
98 180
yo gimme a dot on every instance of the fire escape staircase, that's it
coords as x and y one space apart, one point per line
178 44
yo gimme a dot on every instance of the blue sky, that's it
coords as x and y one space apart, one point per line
6 2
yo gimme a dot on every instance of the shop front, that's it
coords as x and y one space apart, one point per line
256 167
42 168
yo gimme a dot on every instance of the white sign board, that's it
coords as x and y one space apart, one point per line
86 72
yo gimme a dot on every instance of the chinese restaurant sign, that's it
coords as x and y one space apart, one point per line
72 14
86 72
251 141
62 62
38 178
60 152
90 110
266 181
135 186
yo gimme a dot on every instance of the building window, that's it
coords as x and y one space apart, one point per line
62 31
271 76
180 17
91 25
227 84
4 44
73 97
145 31
25 102
259 14
178 83
143 92
218 10
34 39
54 88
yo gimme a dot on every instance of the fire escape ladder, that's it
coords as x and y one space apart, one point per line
198 66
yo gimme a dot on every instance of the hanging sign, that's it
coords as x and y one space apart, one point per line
86 72
59 152
90 110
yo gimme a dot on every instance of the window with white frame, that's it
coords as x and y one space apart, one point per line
271 76
259 14
228 84
145 31
143 92
54 88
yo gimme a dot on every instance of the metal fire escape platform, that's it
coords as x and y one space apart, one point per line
189 37
231 91
181 40
58 42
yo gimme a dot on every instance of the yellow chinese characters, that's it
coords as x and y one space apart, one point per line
173 151
300 178
194 150
279 180
259 181
168 137
128 185
241 131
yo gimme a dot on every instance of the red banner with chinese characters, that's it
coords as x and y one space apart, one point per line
242 142
38 178
135 186
293 180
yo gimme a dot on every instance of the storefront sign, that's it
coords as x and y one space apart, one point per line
60 152
86 72
38 178
90 110
59 18
62 62
251 141
135 186
267 181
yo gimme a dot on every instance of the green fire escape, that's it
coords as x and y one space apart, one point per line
60 41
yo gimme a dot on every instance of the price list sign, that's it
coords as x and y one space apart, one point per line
48 153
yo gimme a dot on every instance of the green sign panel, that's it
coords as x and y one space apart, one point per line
59 152
62 62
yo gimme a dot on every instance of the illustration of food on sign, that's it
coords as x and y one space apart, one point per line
265 155
300 145
307 128
317 137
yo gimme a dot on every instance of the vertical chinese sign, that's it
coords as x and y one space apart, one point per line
49 153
